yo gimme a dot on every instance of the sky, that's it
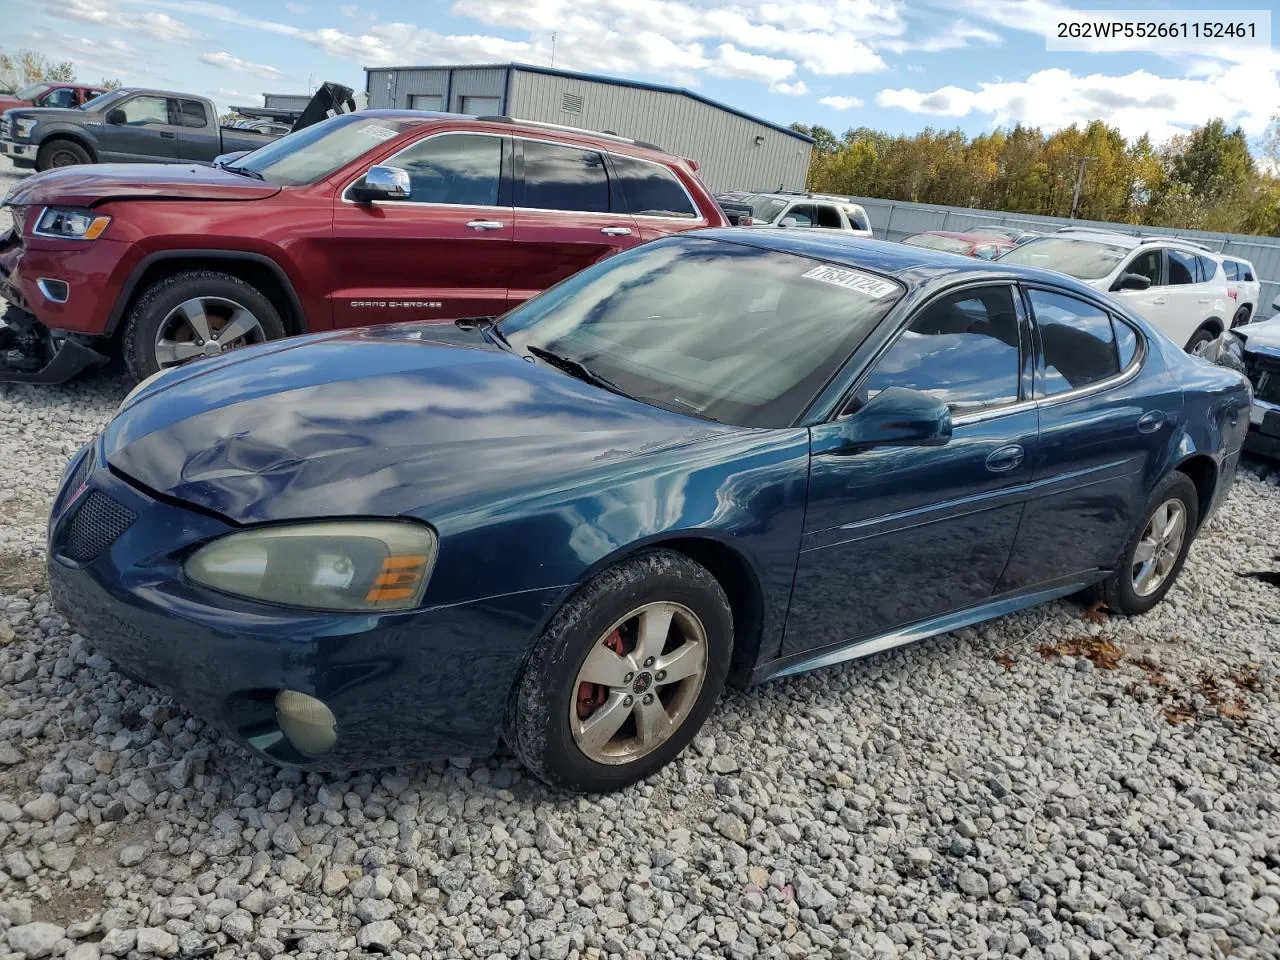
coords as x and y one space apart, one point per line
895 65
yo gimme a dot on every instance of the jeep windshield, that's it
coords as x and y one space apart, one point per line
764 209
33 91
315 152
1082 259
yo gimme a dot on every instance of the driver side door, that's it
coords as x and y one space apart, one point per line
894 536
144 131
1152 302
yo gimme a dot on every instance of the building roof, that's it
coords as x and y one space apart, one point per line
599 78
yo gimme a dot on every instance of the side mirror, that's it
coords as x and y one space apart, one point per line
898 417
383 183
788 222
1131 281
117 117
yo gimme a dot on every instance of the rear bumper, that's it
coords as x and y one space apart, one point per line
23 155
403 687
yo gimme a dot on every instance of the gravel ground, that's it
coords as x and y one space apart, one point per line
1055 784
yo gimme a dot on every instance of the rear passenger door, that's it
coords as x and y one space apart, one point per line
654 196
198 138
1189 303
564 218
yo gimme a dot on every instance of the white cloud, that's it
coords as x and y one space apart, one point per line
297 9
795 89
840 103
227 61
1136 103
956 36
732 62
161 26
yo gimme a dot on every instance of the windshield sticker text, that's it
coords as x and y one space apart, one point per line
855 280
378 132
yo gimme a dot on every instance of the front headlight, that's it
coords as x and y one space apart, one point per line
68 223
24 127
353 565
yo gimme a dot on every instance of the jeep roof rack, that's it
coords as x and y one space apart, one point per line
606 134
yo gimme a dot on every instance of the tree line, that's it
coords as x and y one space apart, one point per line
25 67
1206 179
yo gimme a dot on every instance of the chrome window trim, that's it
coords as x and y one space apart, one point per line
699 219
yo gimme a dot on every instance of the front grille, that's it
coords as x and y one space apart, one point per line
80 474
6 128
1264 374
98 521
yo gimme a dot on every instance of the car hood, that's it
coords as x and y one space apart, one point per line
1262 336
8 103
85 186
411 420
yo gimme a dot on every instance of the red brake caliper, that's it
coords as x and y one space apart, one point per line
591 696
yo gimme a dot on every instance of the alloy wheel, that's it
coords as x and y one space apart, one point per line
638 683
205 327
1158 550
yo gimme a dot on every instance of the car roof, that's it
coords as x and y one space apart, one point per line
917 267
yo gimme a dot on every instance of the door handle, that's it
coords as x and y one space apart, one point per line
485 224
166 135
1150 422
616 231
1159 300
1006 458
1204 300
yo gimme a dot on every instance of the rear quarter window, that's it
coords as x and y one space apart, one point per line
651 190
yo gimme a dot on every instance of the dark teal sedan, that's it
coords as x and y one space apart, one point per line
725 456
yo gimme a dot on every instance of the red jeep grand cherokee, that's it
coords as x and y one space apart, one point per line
364 218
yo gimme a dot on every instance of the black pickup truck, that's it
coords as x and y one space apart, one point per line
128 125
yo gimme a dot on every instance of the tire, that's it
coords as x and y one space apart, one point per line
1241 317
545 708
1119 591
61 153
156 309
1201 336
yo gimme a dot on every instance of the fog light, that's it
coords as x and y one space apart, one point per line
56 290
307 723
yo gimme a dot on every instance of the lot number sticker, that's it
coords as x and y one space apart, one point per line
855 280
378 132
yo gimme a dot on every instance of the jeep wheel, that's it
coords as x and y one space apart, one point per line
197 313
61 153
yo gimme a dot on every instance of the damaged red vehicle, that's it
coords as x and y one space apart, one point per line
364 218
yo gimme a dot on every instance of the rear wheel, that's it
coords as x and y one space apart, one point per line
61 153
624 676
1241 317
1156 552
197 313
1199 339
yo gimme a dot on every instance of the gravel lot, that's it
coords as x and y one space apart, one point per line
1051 785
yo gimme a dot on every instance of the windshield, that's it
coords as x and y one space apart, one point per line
316 151
1084 259
102 99
708 328
764 209
934 242
33 91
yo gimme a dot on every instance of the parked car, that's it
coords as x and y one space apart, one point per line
982 246
51 94
725 454
1177 285
128 125
797 210
1243 288
1254 350
364 218
1015 235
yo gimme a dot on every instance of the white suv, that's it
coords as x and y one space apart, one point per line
1177 285
1243 288
803 210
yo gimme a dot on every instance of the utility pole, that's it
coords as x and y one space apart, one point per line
1081 163
553 49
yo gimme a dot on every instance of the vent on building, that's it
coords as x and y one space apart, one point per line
571 103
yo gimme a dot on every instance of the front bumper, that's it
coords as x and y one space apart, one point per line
1264 429
403 687
22 154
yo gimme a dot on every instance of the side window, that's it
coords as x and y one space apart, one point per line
1078 342
460 169
1208 269
145 111
1231 269
1246 274
193 114
1126 341
802 213
564 178
651 190
62 97
857 219
1146 264
829 217
963 350
1182 267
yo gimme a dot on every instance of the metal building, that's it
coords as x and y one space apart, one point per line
734 150
286 101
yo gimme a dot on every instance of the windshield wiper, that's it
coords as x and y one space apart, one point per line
576 368
485 325
245 172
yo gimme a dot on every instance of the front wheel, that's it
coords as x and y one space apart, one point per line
61 153
1156 551
624 676
196 313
